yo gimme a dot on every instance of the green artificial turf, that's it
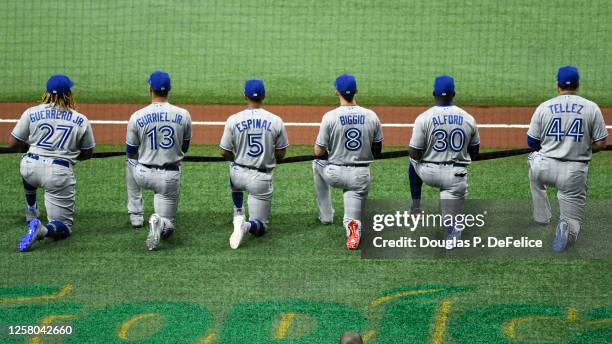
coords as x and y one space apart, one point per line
501 52
196 288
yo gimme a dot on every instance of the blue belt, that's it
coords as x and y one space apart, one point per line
168 167
262 170
55 161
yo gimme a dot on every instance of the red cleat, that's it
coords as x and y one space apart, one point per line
352 242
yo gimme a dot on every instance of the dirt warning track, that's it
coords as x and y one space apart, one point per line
498 126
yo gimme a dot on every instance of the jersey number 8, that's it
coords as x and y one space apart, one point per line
455 140
353 139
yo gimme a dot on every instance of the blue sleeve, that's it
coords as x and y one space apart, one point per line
185 146
131 149
415 183
533 143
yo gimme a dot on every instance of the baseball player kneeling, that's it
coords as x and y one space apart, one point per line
157 139
565 132
58 136
444 141
350 136
253 140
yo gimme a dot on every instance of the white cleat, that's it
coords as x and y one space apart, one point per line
155 229
238 233
137 221
31 213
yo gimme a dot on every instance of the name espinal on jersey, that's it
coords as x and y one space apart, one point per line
253 135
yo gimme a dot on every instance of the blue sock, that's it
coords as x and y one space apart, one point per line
416 184
237 198
30 193
257 228
57 230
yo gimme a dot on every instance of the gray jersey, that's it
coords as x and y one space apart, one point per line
444 133
347 133
159 131
253 135
54 132
566 126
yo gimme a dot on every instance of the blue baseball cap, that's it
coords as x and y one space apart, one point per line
159 81
59 83
568 75
444 85
254 89
346 84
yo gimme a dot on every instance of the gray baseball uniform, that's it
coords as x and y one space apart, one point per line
444 133
56 137
253 135
158 131
347 133
566 126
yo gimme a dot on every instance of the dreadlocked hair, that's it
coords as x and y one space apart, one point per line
63 100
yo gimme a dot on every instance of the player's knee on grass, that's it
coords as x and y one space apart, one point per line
57 230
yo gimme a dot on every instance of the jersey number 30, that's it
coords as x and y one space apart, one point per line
455 139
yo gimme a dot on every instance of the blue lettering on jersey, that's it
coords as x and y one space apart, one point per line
56 114
158 117
78 121
352 119
447 119
50 114
255 123
566 108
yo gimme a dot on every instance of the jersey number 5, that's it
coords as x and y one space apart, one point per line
256 148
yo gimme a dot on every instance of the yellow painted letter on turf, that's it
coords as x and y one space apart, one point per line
125 327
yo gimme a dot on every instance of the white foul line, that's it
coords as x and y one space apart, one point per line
308 124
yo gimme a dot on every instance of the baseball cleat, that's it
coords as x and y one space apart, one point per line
155 229
453 236
137 221
416 211
352 242
561 236
33 234
326 222
167 233
238 233
31 213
